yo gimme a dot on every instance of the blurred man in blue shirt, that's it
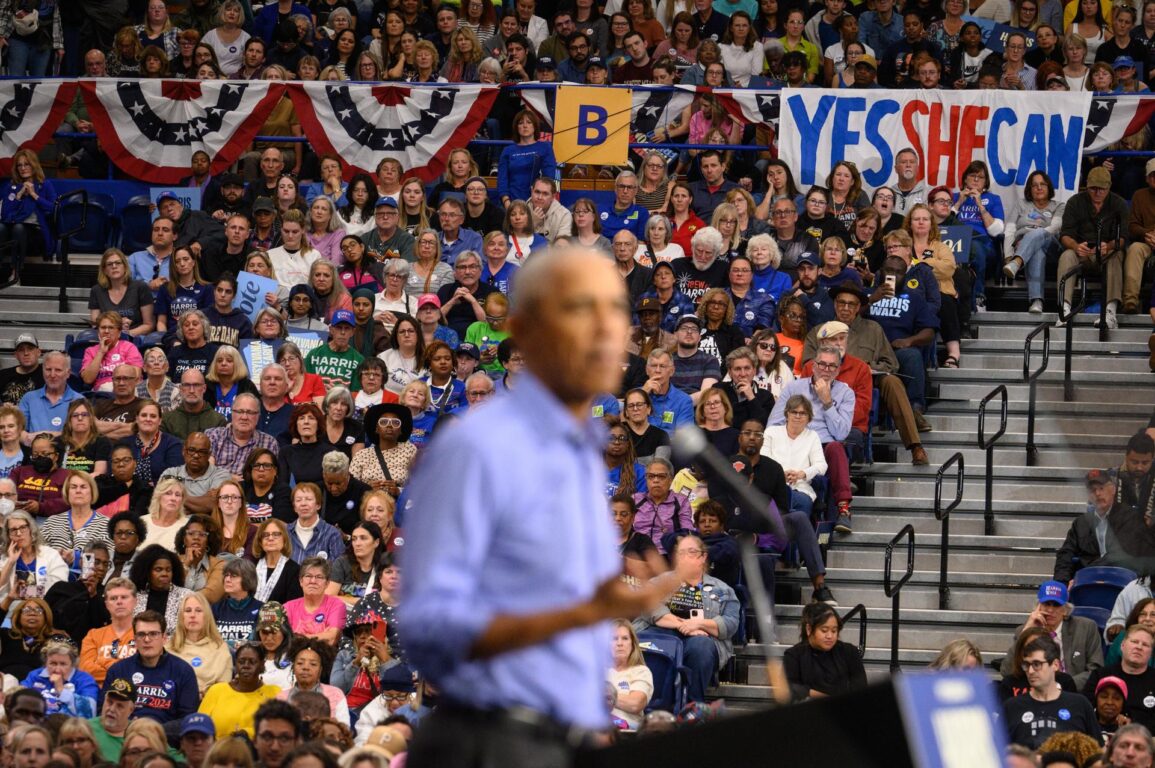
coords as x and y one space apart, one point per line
511 563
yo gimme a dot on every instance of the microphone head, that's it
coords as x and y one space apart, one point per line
688 443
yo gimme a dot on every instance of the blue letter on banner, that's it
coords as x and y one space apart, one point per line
591 125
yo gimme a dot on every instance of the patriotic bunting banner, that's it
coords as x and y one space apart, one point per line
417 125
30 112
750 106
151 128
652 109
1113 119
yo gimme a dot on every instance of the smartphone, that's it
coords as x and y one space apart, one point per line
890 280
697 613
87 565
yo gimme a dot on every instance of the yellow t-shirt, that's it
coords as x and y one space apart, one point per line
232 711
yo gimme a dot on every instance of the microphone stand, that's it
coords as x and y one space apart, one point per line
764 618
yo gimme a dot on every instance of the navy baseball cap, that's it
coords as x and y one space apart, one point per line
198 723
387 200
343 316
808 258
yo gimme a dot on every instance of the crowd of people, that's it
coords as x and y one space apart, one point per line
202 506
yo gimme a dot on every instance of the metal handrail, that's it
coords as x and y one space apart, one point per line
893 590
943 514
1068 321
66 239
989 447
1032 379
860 612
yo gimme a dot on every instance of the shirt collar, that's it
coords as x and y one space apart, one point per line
552 417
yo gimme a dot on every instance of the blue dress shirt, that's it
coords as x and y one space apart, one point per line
508 517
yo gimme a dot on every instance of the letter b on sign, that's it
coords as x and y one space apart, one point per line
591 125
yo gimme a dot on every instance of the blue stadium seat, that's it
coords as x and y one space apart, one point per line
1099 585
93 238
136 225
1094 613
104 199
663 655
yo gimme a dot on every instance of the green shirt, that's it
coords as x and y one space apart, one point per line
336 369
110 746
484 337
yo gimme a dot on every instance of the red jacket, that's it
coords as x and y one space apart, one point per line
856 375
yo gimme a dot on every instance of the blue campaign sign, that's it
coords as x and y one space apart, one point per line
958 239
190 197
251 290
951 719
997 38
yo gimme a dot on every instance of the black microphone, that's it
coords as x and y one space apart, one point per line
690 445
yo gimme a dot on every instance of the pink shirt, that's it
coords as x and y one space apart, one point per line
122 353
330 614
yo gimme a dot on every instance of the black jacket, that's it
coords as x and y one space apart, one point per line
831 672
1081 544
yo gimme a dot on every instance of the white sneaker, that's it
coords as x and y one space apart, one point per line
980 304
1011 267
1066 312
1036 307
1112 320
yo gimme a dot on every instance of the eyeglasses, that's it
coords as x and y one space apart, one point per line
797 412
767 346
32 608
389 422
246 412
264 465
783 212
313 577
693 552
657 476
794 316
198 534
124 533
228 497
826 366
271 535
751 433
122 461
618 438
151 635
197 385
1035 666
635 406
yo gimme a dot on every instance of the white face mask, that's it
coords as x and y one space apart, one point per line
7 507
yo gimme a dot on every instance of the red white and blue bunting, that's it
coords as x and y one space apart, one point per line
30 112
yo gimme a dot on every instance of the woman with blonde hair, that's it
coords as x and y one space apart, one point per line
29 203
197 641
630 678
227 377
465 54
259 263
166 514
725 220
748 223
958 654
412 209
278 575
116 291
378 506
77 733
81 525
233 752
834 270
460 167
141 737
428 273
654 182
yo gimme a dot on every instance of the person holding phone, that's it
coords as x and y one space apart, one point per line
702 611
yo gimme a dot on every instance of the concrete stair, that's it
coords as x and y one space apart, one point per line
992 580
